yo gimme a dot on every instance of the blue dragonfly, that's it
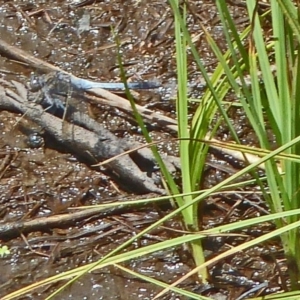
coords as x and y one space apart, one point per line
61 83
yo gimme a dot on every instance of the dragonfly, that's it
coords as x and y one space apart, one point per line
60 83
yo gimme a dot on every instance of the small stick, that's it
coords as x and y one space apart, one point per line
18 54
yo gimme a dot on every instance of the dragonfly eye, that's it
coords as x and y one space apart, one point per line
35 83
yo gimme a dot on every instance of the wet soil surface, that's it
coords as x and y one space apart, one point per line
41 177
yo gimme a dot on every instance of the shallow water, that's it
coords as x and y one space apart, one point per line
45 181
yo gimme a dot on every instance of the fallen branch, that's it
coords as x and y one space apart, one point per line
89 145
13 229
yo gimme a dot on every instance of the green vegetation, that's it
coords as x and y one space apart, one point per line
4 251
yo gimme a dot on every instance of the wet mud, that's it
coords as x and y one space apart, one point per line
42 177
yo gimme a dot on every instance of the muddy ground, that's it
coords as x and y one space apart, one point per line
41 175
